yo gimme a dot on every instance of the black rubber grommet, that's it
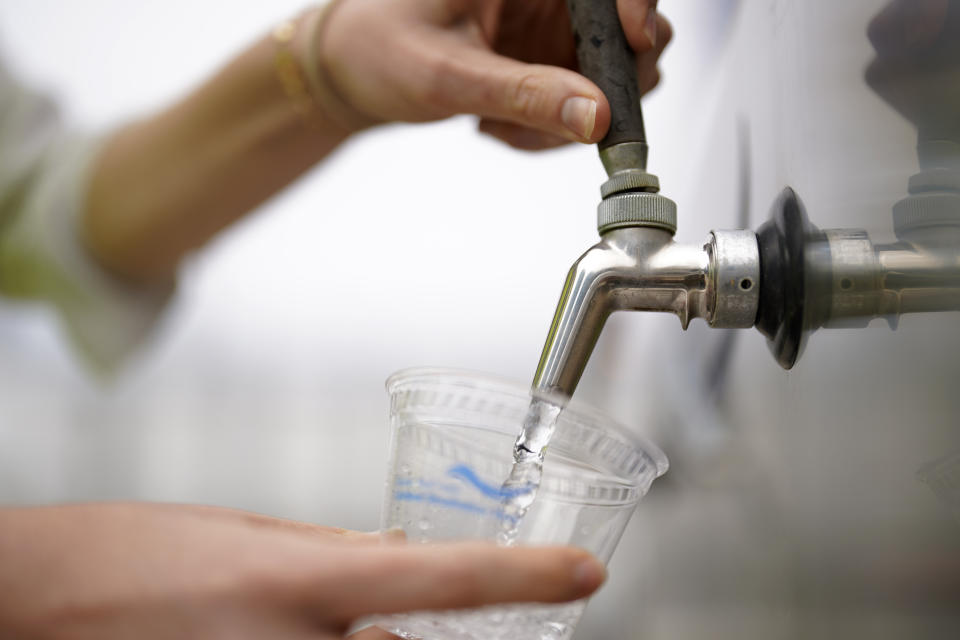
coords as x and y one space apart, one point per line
782 240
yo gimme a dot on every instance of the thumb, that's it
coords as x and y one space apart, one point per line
556 101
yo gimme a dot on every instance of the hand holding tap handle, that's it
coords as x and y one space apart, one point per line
606 58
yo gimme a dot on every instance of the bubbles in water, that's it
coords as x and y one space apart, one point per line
555 630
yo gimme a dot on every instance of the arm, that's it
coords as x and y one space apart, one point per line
142 198
165 185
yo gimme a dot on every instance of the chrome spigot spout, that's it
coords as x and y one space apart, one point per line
788 279
641 268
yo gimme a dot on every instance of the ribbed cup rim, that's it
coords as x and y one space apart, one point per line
574 409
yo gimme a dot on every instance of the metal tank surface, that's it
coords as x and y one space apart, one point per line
815 493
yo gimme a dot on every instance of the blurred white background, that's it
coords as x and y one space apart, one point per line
793 507
263 390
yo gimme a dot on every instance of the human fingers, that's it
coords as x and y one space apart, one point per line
557 101
648 75
260 520
519 136
397 579
639 21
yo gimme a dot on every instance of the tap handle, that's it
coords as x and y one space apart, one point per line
607 59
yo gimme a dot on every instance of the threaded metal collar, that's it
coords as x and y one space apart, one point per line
636 209
633 180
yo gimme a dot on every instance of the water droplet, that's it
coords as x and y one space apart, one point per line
424 525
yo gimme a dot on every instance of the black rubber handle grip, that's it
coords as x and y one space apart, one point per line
607 59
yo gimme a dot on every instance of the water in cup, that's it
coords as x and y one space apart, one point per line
452 438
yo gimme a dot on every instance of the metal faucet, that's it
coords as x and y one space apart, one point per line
788 278
637 266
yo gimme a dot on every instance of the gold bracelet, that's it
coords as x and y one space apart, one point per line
304 78
291 75
324 89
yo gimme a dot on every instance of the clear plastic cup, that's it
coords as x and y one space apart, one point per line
452 442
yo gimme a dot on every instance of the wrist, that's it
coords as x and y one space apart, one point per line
328 99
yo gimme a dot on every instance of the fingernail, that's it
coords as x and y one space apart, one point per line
589 575
579 114
650 26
